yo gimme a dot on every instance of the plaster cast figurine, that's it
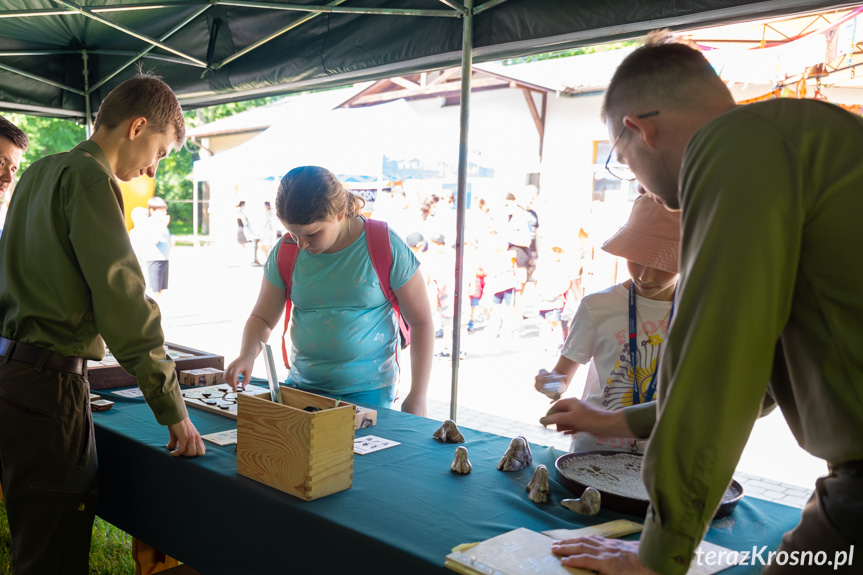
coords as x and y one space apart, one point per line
538 489
587 504
449 433
517 455
460 463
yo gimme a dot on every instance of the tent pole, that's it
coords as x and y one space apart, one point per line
195 185
461 197
88 112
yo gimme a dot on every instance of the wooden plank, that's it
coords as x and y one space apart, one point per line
149 560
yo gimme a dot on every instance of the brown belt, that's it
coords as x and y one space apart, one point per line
40 357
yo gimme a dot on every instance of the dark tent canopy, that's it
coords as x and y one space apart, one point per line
61 57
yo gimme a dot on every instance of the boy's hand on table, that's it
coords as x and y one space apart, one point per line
185 439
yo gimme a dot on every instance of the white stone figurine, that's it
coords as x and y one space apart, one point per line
587 504
517 455
460 463
538 490
449 433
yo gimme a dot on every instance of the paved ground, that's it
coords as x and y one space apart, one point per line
213 290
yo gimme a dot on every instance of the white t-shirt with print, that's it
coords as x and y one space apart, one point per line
599 335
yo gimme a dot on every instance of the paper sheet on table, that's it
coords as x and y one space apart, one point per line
526 552
371 443
228 437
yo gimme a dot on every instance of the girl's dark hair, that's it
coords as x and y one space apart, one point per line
311 194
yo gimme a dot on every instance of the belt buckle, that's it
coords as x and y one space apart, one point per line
9 351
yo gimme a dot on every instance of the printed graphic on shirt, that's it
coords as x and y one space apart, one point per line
618 389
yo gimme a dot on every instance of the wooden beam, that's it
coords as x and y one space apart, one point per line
542 115
405 83
446 75
427 92
538 120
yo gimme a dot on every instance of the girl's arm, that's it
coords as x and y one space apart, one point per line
266 313
414 305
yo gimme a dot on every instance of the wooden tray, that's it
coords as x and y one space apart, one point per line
108 374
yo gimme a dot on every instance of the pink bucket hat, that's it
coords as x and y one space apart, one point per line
650 237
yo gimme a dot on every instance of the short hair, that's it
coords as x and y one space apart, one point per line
14 134
311 194
662 71
143 95
156 203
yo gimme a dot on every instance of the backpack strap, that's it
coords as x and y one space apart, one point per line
286 260
381 254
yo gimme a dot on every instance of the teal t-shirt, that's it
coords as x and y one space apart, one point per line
344 334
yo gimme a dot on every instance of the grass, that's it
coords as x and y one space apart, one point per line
110 549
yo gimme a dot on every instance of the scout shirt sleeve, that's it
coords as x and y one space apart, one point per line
129 322
741 232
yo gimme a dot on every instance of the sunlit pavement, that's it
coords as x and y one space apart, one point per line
212 290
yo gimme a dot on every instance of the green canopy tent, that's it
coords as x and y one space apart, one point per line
59 58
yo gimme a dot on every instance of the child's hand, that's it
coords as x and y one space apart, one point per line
572 416
552 384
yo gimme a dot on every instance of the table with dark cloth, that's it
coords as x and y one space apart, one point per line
405 511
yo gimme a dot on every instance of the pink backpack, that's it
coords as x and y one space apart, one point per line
381 254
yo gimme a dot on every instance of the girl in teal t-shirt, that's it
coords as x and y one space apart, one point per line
344 334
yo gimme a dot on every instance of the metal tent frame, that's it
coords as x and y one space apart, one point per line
60 57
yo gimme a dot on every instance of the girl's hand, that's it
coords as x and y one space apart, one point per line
240 366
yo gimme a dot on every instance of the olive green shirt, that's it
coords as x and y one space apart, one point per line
68 276
771 290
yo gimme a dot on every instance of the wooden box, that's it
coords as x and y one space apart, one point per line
202 377
108 374
308 454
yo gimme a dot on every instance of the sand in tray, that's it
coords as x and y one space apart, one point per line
617 474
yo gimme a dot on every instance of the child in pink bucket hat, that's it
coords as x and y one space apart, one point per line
619 331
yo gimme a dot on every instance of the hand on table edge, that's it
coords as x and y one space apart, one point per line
185 439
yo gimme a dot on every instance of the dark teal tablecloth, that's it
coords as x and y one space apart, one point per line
404 513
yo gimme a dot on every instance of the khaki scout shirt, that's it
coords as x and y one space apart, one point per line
68 276
770 290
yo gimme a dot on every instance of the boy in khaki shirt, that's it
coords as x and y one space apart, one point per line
68 279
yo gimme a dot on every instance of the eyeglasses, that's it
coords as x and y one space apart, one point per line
618 170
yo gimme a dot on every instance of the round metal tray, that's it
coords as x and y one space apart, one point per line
632 505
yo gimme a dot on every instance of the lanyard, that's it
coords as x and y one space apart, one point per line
633 351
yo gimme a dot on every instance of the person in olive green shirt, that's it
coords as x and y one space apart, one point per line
68 279
771 197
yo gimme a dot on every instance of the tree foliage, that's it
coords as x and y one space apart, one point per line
47 136
173 178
